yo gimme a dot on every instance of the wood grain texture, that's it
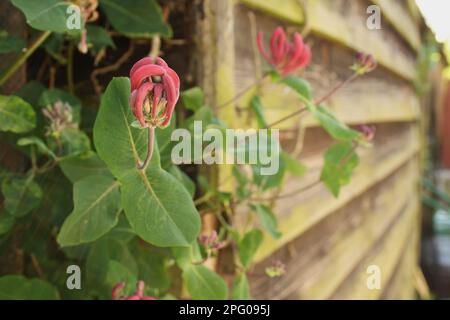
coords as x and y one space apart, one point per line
298 214
289 10
327 18
385 255
399 16
322 258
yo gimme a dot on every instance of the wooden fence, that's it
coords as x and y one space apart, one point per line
328 243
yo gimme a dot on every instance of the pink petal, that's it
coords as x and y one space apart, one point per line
296 52
143 72
160 62
171 99
140 63
115 293
278 45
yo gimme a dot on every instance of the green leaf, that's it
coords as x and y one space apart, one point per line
73 143
143 19
193 98
51 96
300 85
16 287
293 166
76 168
158 207
258 110
54 46
340 162
117 272
16 115
153 268
204 284
96 209
45 15
242 190
266 182
31 91
185 256
10 43
249 245
337 129
35 141
22 195
241 290
101 253
184 179
267 218
98 37
6 222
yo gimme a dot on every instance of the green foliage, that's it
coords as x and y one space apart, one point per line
16 115
20 288
258 111
40 145
301 86
76 168
98 38
249 245
204 284
10 43
22 195
337 129
241 290
143 19
267 219
193 98
340 162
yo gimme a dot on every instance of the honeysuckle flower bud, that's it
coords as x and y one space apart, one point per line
155 89
285 57
277 269
138 295
367 131
364 63
212 241
60 116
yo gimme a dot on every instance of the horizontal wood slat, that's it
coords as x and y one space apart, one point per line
398 15
288 10
342 240
386 255
326 19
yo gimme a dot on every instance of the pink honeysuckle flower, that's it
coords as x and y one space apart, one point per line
155 89
138 295
285 57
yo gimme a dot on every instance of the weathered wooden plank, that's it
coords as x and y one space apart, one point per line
309 207
401 284
359 102
351 31
399 17
385 256
288 10
341 240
